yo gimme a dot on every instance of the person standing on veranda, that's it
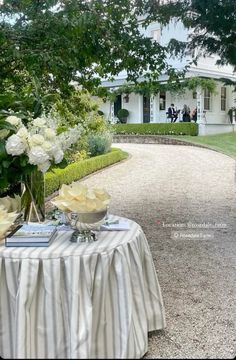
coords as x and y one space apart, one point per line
186 113
172 113
194 115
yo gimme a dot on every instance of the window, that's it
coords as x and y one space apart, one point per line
223 98
207 99
156 35
162 100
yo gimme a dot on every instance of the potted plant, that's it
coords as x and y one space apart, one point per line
123 115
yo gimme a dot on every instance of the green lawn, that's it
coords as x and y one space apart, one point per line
225 143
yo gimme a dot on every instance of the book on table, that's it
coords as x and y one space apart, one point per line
31 235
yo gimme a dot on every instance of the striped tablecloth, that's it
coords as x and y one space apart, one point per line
71 300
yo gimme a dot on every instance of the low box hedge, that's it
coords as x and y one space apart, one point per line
54 179
180 128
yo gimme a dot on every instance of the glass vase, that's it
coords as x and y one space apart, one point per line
33 197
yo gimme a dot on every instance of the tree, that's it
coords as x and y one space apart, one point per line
212 24
59 41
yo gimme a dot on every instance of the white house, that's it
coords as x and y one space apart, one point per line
212 107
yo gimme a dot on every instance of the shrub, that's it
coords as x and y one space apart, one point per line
99 144
97 124
72 156
54 179
157 129
122 115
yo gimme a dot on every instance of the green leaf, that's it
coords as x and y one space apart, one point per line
3 183
62 164
6 164
23 161
7 126
3 152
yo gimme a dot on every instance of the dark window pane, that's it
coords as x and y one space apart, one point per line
162 101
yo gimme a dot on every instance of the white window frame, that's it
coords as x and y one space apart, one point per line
223 98
156 35
208 99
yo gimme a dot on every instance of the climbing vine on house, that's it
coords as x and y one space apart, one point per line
179 86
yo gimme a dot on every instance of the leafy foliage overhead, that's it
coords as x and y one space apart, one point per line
212 22
58 41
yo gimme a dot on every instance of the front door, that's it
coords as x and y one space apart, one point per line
117 104
146 109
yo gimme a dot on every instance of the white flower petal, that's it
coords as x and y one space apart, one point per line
39 122
37 155
14 120
15 145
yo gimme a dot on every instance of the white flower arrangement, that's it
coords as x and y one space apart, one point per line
79 198
40 142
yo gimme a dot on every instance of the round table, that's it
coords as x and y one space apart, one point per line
80 300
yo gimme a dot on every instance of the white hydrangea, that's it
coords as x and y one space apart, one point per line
40 142
69 137
39 122
58 156
49 134
37 155
15 145
44 166
55 147
14 120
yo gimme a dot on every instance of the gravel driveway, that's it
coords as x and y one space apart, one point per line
185 200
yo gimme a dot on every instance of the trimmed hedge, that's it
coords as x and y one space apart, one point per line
180 128
76 171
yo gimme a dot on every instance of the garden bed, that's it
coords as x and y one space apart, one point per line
54 179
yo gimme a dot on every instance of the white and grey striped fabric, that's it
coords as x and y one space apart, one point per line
79 300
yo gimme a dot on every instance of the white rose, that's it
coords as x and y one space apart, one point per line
40 122
14 120
44 166
15 145
37 155
47 146
23 135
49 134
58 156
36 139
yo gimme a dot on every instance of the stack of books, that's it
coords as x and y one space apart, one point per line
31 235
